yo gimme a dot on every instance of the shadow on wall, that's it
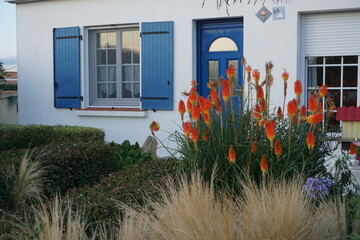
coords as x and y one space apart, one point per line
9 107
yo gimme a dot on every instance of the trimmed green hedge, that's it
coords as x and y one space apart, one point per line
8 87
29 136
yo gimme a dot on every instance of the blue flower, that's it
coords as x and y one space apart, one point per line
318 187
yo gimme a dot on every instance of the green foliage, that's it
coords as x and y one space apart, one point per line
5 86
17 136
128 154
129 186
2 72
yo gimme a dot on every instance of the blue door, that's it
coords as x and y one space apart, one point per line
220 44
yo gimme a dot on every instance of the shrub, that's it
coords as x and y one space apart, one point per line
15 137
8 87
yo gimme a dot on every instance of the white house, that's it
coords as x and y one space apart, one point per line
120 64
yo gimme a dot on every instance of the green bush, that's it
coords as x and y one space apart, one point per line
129 186
8 87
17 136
73 165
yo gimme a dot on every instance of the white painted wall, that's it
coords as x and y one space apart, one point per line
278 41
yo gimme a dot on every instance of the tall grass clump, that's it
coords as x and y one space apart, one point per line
237 130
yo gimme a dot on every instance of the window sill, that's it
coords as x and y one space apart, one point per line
111 112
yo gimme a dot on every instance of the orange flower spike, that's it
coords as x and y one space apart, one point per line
256 76
277 148
193 96
225 91
187 128
310 141
196 113
262 105
218 107
259 93
285 75
257 111
206 119
264 166
298 88
352 150
262 122
201 101
181 109
323 91
270 131
189 106
312 104
292 108
279 113
315 118
194 136
205 106
303 111
232 154
205 136
214 95
154 127
248 69
230 72
253 147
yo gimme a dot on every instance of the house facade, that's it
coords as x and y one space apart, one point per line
119 65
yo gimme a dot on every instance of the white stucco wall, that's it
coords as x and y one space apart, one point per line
278 41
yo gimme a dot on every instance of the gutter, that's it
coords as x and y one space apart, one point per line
22 1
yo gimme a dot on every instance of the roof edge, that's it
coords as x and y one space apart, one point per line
22 1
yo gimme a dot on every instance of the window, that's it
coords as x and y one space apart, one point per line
340 74
114 63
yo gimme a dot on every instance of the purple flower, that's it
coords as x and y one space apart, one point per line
318 187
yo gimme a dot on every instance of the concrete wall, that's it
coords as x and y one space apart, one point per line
278 41
8 108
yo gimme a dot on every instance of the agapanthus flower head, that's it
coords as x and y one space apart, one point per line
154 127
298 88
189 106
277 148
181 109
256 76
259 93
232 154
187 126
257 112
315 118
279 113
323 91
313 104
285 75
253 147
195 113
292 108
270 130
318 187
303 111
264 166
352 150
230 72
310 141
225 91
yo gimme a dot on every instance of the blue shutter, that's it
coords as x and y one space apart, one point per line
67 67
157 65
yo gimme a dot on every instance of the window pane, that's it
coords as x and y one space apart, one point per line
111 40
349 98
112 74
126 74
335 95
136 39
101 40
334 125
101 74
351 59
350 76
111 56
126 90
101 57
332 60
315 60
136 55
126 56
136 90
315 76
126 39
213 70
101 90
136 72
112 90
332 76
223 44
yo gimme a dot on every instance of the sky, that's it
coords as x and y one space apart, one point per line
7 33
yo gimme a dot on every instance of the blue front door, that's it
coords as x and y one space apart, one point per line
220 44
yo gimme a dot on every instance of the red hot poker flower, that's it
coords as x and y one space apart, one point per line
303 112
193 95
312 104
262 105
225 91
232 154
315 118
257 111
270 131
262 122
181 109
189 106
253 147
248 69
298 88
310 141
214 95
194 136
259 93
285 75
154 127
292 108
352 150
323 91
279 113
256 76
277 148
196 113
230 72
187 128
264 165
205 105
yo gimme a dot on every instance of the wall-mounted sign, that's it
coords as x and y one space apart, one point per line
263 14
278 13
